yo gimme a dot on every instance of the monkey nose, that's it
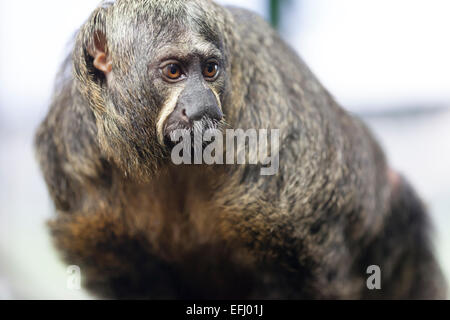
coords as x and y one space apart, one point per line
196 113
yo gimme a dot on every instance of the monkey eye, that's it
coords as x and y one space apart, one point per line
211 70
172 72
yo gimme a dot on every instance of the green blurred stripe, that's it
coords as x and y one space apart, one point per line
275 12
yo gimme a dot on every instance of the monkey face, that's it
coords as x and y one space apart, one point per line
196 101
192 79
151 67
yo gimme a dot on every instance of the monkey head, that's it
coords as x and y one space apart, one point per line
148 68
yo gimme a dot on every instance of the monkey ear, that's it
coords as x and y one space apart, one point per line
98 51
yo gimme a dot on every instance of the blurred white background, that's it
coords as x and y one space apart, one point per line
388 61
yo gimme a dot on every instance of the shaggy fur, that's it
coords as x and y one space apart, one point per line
140 227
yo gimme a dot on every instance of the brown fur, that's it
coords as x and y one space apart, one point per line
140 227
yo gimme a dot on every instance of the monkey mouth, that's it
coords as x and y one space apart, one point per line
194 131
